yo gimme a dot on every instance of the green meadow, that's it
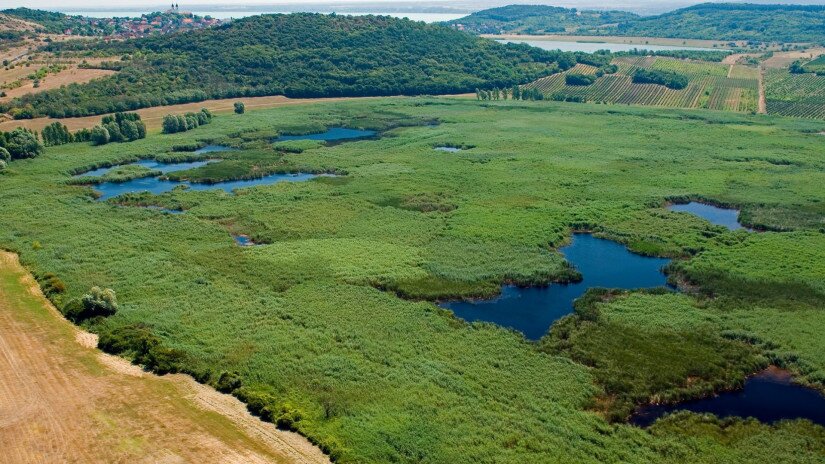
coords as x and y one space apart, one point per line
330 326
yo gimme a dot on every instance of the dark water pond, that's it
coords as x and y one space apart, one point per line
448 149
150 164
715 215
532 310
331 135
769 396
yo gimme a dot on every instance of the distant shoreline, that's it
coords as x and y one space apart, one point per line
640 41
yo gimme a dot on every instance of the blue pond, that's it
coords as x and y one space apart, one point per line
331 135
156 185
713 214
532 310
243 240
448 149
769 396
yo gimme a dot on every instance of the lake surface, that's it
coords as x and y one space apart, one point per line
591 47
331 135
769 396
715 215
532 310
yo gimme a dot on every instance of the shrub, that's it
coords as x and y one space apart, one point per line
668 79
3 165
240 108
99 135
4 155
579 79
144 346
97 303
22 143
228 382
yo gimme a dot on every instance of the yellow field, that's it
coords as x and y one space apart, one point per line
61 401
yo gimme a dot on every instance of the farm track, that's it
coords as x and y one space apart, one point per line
62 401
763 102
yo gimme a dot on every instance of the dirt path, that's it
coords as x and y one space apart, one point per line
730 70
62 401
763 102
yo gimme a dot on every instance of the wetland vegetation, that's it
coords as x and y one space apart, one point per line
349 346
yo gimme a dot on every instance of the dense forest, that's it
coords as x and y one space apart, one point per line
297 55
712 21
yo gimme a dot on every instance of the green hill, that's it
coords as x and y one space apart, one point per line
538 19
297 55
711 21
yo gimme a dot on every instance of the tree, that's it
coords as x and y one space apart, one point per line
5 155
240 108
99 136
56 134
129 130
170 124
22 143
115 134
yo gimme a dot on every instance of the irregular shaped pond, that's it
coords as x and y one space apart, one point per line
331 135
715 215
150 164
532 310
448 149
769 396
244 240
156 185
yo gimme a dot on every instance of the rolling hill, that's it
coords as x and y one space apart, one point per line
297 55
710 21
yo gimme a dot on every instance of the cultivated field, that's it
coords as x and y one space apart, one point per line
800 95
711 85
640 41
63 401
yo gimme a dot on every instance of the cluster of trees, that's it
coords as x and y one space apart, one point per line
579 79
817 67
121 127
56 134
668 79
516 93
173 123
20 143
297 55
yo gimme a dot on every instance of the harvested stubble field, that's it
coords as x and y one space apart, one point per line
61 400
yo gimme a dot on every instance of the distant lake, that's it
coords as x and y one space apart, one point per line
591 47
227 14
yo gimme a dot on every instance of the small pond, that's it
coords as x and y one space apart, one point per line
331 135
769 396
213 149
243 240
726 217
448 149
532 310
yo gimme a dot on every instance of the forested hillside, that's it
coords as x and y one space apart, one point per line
297 55
538 19
711 21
